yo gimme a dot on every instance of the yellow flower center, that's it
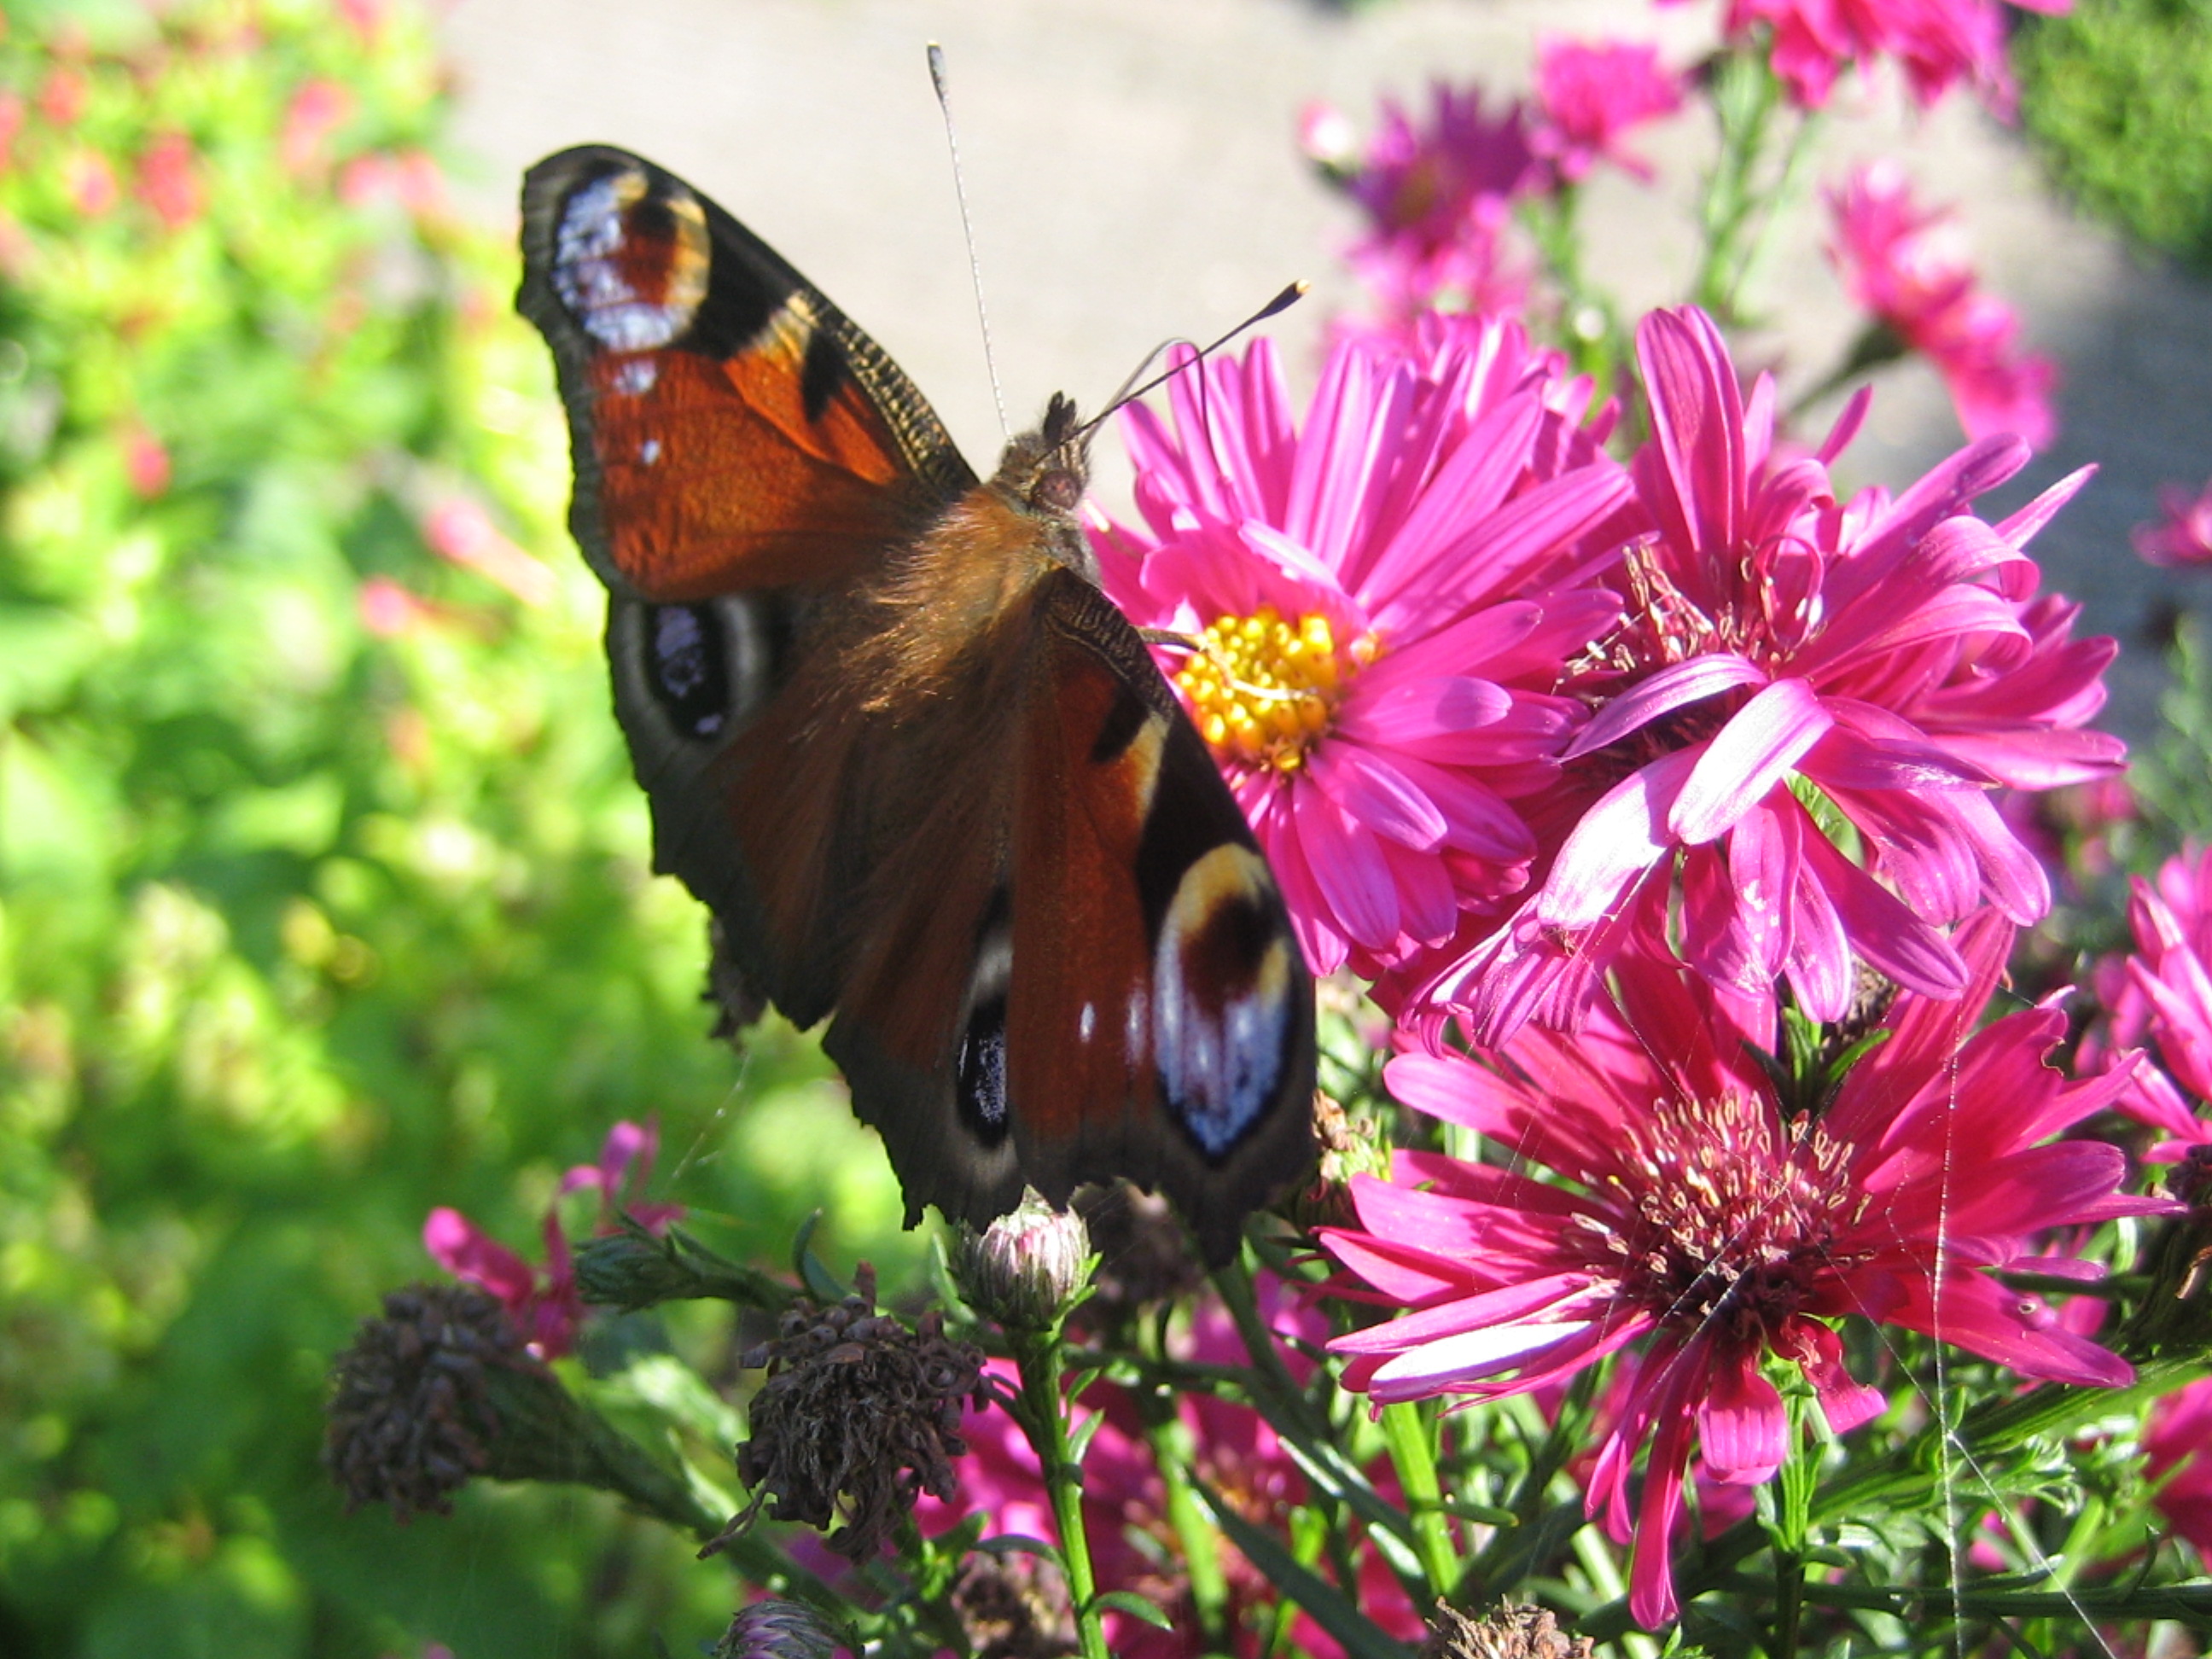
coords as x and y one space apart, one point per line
1263 688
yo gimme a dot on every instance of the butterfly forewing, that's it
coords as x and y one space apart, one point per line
731 427
924 775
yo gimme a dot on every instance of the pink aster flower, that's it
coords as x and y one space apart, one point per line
1939 42
1135 1545
89 183
2185 538
1889 657
1438 201
1908 266
1384 600
545 1305
146 463
2179 1444
169 181
459 530
1697 1231
317 110
2162 996
1591 95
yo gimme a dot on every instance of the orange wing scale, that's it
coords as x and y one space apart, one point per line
713 477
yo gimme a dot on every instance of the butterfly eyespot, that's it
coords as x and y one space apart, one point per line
688 668
1058 490
630 265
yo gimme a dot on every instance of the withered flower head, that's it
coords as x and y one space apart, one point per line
1014 1606
410 1414
1026 1269
1505 1632
772 1629
858 1416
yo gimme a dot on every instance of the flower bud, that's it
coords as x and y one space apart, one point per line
1349 1147
638 1268
1027 1268
774 1629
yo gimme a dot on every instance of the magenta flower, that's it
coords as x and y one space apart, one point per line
2177 1443
1591 95
2185 538
1438 201
169 181
2162 996
1888 661
1135 1545
1698 1232
459 530
1907 265
317 110
546 1306
1385 601
1939 42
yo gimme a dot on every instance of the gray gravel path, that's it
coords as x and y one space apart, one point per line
1132 176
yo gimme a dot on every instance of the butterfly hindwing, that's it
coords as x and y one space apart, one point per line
732 428
1153 960
1102 958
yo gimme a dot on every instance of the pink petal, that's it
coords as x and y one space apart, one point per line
1419 708
1348 869
1616 841
1661 693
466 1251
1469 1357
1371 789
1889 936
1696 422
1819 1352
1742 1429
1751 755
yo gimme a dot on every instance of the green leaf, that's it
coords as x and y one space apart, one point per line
1015 1543
1359 1636
1135 1606
820 1284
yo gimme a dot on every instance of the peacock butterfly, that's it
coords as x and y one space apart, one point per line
924 775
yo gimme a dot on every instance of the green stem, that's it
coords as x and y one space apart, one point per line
1234 1285
1410 1434
1793 1504
2191 1603
1744 93
1907 1476
1774 202
1174 1450
550 1435
1044 1419
1745 198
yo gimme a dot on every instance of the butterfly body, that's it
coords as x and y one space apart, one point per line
924 773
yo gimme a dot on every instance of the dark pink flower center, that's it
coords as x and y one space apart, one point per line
1722 1213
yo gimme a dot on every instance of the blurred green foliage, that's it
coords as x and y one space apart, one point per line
323 885
2118 94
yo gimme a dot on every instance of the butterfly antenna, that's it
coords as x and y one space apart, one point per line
1283 301
967 230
